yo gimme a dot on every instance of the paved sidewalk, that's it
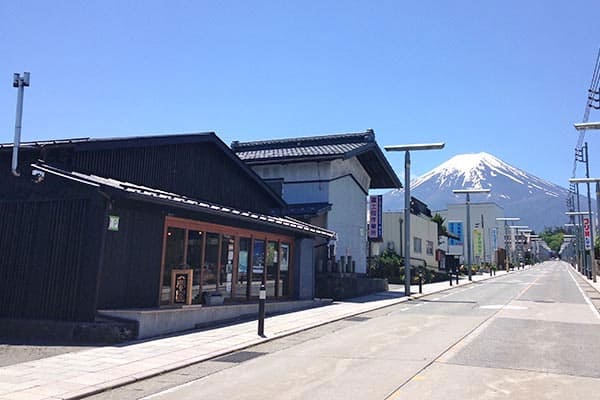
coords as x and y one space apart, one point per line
74 375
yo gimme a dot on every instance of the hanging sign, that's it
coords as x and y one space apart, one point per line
375 216
587 233
477 242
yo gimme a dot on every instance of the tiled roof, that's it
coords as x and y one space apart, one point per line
305 151
315 148
333 146
144 193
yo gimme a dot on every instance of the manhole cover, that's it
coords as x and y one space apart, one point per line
358 319
240 356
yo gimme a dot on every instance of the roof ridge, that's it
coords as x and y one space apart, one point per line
339 138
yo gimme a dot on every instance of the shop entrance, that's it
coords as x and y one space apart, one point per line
226 263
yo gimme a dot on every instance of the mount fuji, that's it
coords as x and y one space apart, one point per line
537 202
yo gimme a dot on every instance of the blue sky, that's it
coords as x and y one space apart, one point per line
506 77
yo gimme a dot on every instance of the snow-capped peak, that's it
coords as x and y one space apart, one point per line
473 169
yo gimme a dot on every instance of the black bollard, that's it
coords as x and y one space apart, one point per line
457 272
262 297
421 282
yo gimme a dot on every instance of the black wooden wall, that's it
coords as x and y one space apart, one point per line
49 258
199 170
131 264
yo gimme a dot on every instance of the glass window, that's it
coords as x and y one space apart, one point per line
211 260
226 265
429 248
194 260
417 245
284 266
174 254
258 266
272 270
242 288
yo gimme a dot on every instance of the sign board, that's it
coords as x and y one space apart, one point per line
113 223
477 242
455 246
587 233
495 239
375 216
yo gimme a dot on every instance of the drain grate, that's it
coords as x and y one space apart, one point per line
358 319
240 357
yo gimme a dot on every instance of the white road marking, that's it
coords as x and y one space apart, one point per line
436 299
503 307
587 300
405 308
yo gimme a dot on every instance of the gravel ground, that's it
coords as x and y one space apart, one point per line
18 353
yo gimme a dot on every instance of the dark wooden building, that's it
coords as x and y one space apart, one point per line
142 222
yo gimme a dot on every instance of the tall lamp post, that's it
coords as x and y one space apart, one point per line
468 192
407 148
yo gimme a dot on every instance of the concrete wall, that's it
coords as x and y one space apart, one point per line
421 227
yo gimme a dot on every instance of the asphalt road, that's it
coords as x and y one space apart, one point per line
529 335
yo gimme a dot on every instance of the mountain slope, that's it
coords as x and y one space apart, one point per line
537 202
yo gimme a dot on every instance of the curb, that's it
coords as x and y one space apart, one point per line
120 382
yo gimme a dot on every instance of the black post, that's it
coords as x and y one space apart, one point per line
262 297
449 270
457 268
420 280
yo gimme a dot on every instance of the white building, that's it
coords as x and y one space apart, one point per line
483 217
423 241
325 180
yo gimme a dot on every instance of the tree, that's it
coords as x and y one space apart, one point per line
439 220
553 237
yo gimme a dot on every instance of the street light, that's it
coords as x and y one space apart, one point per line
587 125
407 148
468 192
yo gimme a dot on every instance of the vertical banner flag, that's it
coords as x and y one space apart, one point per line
587 234
477 242
495 239
375 216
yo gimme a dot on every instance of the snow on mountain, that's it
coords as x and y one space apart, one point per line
537 202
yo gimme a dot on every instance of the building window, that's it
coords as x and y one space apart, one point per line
429 248
417 245
231 261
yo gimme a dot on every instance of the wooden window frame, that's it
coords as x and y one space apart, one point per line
207 227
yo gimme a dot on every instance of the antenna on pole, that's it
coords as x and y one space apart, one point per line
19 82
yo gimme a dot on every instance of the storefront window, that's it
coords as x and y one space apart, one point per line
225 259
242 288
174 254
272 270
226 265
211 260
194 260
258 266
284 277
